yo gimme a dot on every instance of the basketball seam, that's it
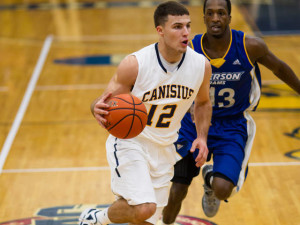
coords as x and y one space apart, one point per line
128 109
140 120
131 103
120 121
132 121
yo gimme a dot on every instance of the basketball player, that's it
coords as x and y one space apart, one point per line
168 77
235 90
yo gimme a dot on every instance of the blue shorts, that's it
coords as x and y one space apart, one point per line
229 142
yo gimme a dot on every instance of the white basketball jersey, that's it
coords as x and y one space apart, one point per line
166 95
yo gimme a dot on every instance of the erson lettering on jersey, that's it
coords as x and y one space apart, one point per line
221 78
168 91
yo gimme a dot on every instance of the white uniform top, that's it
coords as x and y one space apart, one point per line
166 95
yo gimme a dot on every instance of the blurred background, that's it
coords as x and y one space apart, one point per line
57 56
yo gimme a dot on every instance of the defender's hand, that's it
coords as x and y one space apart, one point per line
203 151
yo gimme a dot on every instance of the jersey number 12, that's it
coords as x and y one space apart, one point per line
160 122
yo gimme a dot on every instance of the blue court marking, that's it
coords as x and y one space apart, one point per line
294 134
86 60
295 154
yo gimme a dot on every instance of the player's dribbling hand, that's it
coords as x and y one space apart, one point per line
203 151
99 109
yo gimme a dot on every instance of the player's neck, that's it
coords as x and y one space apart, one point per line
216 47
169 54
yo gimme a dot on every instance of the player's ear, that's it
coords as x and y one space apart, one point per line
229 19
159 30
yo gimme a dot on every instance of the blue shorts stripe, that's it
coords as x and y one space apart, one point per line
116 158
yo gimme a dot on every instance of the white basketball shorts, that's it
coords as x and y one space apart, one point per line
141 170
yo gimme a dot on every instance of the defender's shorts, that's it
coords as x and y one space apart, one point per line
229 141
141 171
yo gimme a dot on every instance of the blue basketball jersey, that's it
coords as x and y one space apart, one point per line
234 89
235 82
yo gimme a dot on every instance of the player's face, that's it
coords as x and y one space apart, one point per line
216 17
175 32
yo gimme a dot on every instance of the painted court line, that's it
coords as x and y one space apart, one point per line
47 170
70 87
22 109
106 168
117 37
275 164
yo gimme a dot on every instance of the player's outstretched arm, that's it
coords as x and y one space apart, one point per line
259 52
202 115
121 83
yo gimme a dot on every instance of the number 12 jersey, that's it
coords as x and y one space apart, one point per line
167 95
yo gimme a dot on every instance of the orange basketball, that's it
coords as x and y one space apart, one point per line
127 116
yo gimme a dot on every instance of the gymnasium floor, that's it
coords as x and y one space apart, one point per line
57 57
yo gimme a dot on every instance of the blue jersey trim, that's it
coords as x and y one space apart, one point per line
159 60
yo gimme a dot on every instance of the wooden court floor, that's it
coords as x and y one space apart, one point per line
52 157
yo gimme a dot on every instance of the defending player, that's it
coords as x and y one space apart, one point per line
235 90
168 77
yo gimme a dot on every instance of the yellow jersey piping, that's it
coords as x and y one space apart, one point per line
244 43
226 50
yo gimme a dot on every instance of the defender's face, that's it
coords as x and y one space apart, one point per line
216 17
175 32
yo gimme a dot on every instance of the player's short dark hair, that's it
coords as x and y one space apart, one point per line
228 2
168 8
